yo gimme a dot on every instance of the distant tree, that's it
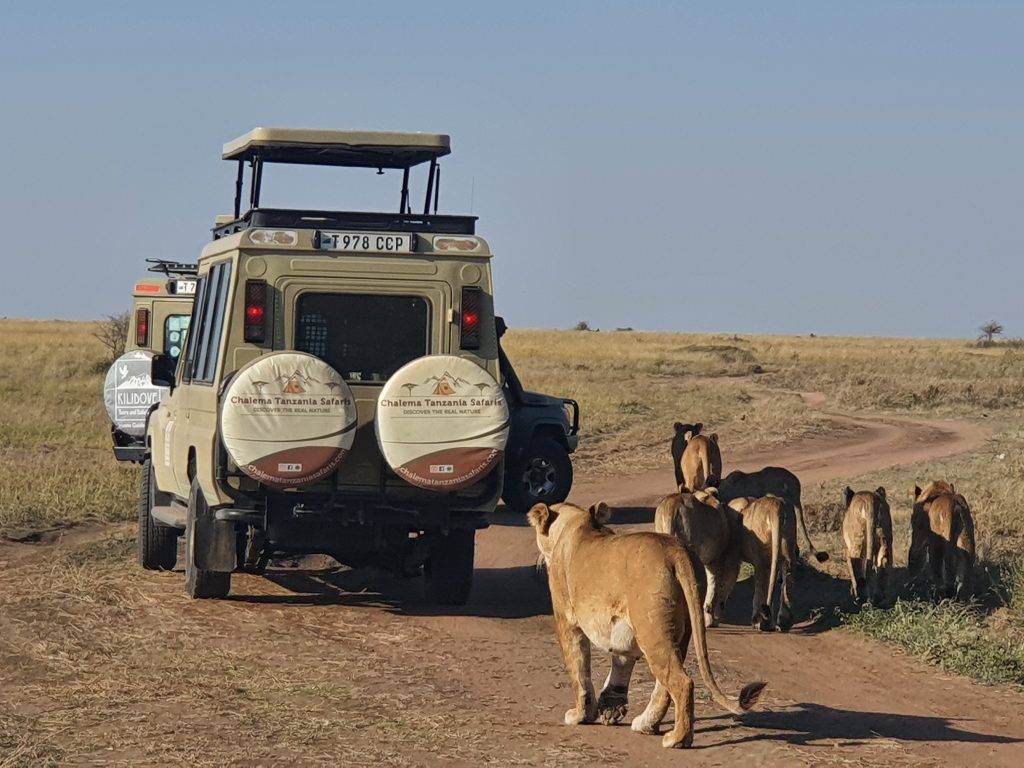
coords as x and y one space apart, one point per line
989 331
582 325
112 333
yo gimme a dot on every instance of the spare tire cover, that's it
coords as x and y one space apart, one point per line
287 419
129 392
442 422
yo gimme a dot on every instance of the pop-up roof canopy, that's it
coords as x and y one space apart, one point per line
358 149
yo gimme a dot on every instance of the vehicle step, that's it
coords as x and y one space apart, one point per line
172 515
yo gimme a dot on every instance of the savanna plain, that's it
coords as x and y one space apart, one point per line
104 663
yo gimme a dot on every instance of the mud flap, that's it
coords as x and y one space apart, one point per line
214 543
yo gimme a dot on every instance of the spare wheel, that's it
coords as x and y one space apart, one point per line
442 422
288 419
129 393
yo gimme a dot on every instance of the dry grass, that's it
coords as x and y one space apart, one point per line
101 662
56 466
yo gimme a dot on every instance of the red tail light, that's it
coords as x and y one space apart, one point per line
255 310
142 327
469 324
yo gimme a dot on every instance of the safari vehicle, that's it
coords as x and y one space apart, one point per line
158 322
342 389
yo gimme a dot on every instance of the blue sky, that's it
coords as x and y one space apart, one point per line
790 167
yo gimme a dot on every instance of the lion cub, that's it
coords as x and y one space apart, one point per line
632 594
942 532
708 529
767 541
867 534
697 458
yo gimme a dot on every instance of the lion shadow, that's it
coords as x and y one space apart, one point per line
808 724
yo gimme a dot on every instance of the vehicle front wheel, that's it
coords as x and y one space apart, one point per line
156 545
543 475
199 582
449 570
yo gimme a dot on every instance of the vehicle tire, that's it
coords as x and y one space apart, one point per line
449 570
542 475
200 583
156 545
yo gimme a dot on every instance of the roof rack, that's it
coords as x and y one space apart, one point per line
169 268
349 149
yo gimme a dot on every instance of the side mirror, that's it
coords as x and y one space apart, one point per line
499 326
161 371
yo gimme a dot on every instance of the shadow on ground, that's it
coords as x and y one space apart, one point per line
504 593
810 724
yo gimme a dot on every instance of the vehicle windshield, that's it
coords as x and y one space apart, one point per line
366 338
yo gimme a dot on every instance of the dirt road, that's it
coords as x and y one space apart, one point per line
833 696
487 682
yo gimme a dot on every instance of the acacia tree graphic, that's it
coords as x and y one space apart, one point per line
408 388
482 386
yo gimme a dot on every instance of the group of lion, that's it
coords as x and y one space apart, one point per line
637 594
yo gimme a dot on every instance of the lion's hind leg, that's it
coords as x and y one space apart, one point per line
665 659
613 702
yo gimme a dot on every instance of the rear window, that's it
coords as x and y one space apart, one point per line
364 337
174 334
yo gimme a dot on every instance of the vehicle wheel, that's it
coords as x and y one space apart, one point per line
449 570
543 475
157 545
200 583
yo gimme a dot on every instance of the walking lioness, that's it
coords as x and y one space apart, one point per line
942 533
697 458
774 481
867 536
767 541
708 529
629 594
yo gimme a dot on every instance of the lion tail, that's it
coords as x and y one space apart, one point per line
775 521
820 556
870 525
751 692
705 463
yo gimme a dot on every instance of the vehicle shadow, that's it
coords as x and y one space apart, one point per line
504 593
810 724
503 516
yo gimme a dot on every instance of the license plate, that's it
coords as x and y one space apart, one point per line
364 241
185 287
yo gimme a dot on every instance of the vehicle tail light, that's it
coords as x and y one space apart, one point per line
255 310
469 321
142 327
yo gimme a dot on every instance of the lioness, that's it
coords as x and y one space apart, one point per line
707 528
767 541
942 531
630 594
774 481
867 535
696 457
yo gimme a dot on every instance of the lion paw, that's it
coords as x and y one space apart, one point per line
580 716
612 705
671 740
640 725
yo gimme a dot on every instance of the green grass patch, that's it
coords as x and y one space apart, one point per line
952 635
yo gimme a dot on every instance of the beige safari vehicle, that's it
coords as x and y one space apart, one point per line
341 390
158 323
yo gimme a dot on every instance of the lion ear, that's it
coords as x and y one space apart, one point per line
713 437
541 516
677 426
698 427
880 492
683 488
738 505
600 513
916 492
848 495
711 491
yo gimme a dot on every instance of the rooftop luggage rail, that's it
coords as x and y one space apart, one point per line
169 268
